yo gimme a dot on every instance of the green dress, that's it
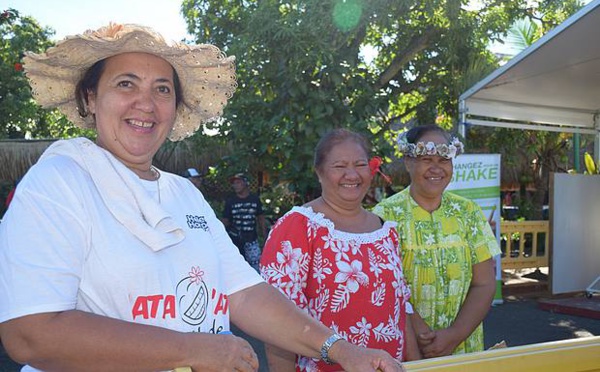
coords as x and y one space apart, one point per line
438 252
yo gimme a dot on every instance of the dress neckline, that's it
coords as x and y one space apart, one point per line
319 218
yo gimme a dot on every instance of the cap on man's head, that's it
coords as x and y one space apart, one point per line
238 176
192 172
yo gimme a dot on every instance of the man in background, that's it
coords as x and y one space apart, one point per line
195 177
242 215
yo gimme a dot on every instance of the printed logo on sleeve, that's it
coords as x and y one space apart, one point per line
197 222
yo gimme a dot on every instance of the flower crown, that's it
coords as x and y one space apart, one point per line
445 150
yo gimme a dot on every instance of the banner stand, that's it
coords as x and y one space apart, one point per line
498 299
477 177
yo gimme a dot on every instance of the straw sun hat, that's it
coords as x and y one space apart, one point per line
207 76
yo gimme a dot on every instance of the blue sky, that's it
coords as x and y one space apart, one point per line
69 17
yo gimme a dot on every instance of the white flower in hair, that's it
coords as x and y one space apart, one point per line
402 142
459 145
420 149
430 148
443 150
452 151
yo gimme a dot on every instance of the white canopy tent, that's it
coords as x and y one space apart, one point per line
553 85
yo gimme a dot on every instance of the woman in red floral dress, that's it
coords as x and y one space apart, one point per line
340 262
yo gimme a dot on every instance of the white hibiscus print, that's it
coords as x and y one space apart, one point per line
474 230
354 247
362 327
388 245
375 263
320 267
328 240
289 257
340 249
312 228
361 332
429 239
336 328
351 274
444 320
286 287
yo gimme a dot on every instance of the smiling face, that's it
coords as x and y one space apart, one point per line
429 175
345 175
134 107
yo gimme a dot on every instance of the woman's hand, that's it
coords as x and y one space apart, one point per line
355 358
226 353
424 334
438 343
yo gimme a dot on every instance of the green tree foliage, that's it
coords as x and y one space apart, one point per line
304 68
20 116
17 109
529 157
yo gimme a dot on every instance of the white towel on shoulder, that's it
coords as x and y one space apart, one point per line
122 192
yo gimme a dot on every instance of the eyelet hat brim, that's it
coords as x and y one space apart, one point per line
206 74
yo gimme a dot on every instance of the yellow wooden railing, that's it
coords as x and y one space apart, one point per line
575 355
526 244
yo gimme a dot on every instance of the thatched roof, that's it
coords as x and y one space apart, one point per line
17 156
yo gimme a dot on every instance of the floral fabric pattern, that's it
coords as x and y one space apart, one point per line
439 250
353 283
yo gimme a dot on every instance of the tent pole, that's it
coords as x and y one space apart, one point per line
462 120
576 152
596 154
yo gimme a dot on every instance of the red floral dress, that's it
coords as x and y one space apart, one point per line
353 283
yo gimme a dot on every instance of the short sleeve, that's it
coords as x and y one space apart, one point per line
227 210
285 257
43 241
481 238
391 208
383 212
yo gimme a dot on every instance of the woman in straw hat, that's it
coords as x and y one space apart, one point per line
107 263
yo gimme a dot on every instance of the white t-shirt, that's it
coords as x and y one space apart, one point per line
61 249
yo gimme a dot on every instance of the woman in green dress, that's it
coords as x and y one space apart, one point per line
447 247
